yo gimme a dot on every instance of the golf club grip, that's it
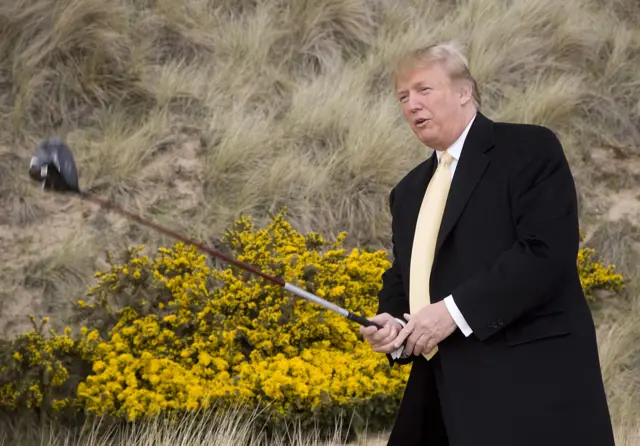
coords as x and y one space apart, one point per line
363 321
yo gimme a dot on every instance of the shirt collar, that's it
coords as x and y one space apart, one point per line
456 148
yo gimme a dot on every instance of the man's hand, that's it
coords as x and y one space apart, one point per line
426 329
381 340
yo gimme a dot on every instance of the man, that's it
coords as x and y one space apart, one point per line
484 291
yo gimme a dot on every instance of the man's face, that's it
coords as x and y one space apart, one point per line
431 104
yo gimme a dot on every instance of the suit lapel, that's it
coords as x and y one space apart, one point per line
471 166
418 189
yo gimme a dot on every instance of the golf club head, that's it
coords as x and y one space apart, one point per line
53 166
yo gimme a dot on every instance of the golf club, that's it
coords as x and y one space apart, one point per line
54 167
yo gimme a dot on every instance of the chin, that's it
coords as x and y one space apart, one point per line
425 138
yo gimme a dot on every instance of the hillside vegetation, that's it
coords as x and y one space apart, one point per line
193 113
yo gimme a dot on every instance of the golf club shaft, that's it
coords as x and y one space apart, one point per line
278 281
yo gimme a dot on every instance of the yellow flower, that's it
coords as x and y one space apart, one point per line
170 319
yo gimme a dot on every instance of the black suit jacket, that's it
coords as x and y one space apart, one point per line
507 248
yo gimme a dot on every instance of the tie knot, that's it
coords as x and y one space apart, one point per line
446 158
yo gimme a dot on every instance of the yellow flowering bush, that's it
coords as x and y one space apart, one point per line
594 275
177 334
180 332
36 369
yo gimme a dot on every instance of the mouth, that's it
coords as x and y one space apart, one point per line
420 122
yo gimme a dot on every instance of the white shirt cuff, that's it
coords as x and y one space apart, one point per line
457 316
399 352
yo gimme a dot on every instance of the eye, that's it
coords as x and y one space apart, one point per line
425 89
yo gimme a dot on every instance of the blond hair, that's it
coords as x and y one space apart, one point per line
449 56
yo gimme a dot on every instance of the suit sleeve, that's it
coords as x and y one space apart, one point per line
544 210
392 298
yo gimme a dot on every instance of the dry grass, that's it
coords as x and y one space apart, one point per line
232 429
235 428
194 112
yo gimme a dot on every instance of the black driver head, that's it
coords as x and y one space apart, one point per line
53 165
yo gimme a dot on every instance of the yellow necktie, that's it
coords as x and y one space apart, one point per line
426 234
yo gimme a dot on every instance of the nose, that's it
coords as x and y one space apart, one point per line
413 103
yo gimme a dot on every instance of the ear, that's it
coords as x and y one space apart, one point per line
465 92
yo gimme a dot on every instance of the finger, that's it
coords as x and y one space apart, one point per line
367 332
430 346
381 334
393 334
404 334
374 336
411 341
386 348
376 342
382 318
421 344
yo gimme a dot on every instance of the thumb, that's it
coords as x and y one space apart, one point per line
382 317
368 331
402 335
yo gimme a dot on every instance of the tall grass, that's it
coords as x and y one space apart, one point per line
234 428
194 112
204 429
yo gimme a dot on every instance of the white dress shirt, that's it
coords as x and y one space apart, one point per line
455 151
